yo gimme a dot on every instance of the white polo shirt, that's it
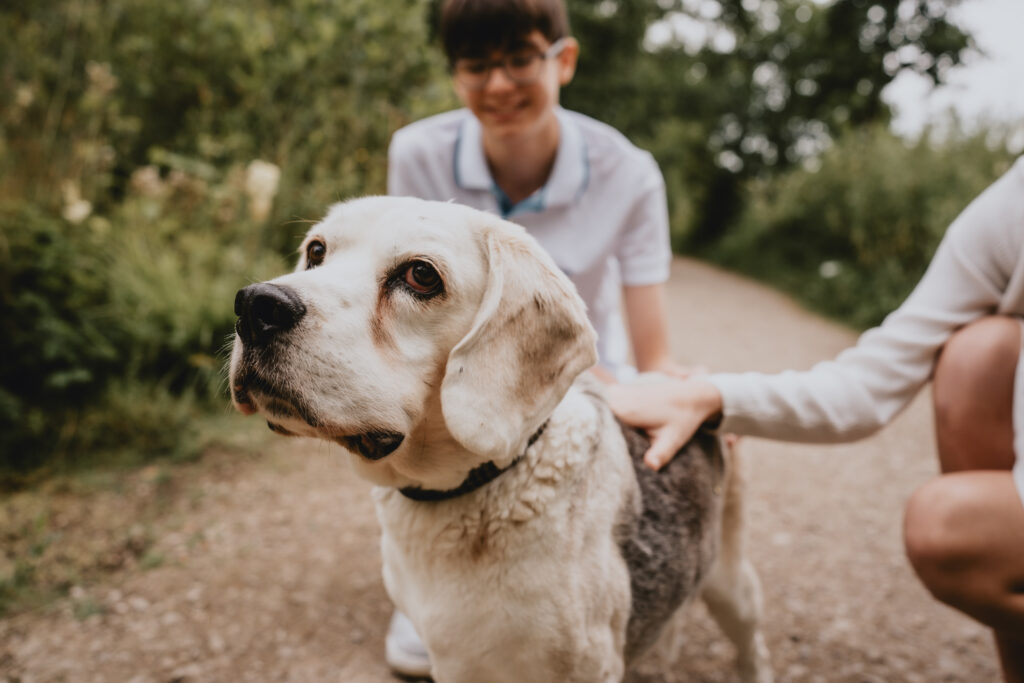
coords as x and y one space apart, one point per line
602 214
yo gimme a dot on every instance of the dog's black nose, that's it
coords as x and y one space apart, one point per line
265 310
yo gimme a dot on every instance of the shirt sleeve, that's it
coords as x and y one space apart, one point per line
645 251
867 385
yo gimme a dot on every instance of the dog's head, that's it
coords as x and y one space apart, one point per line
423 337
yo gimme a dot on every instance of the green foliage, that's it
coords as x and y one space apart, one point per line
798 74
94 89
853 237
53 295
140 146
118 322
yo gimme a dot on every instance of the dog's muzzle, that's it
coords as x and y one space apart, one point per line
266 310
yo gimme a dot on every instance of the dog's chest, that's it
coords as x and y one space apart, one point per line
529 565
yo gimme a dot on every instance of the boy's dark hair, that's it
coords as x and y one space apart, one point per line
475 28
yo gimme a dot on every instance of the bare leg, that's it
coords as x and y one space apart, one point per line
965 537
964 532
973 396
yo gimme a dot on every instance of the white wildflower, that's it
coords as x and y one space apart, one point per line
76 209
261 179
24 96
146 181
830 269
101 76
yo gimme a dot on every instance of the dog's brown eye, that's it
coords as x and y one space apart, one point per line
315 252
422 278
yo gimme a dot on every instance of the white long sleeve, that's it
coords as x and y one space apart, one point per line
977 270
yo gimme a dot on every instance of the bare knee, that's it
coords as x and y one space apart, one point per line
935 546
973 395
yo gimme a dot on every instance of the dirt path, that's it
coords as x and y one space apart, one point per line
270 571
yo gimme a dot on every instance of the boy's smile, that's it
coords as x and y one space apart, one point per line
507 108
504 112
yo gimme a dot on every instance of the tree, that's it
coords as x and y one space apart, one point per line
726 90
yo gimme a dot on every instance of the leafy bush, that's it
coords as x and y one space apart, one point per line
852 237
92 89
155 157
53 293
117 323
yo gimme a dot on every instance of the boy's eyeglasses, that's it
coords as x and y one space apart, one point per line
521 67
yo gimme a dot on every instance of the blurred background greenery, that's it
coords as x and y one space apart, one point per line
155 157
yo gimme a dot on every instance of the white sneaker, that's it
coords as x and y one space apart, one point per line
404 652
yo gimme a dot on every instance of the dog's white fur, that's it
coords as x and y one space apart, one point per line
523 579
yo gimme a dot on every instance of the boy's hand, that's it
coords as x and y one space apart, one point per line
674 369
602 374
670 411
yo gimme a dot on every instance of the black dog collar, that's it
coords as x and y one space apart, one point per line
477 477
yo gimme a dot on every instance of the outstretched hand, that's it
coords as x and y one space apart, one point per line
671 411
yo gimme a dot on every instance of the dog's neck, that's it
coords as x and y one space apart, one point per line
431 459
478 477
521 493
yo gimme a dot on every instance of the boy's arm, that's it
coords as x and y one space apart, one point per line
648 329
644 253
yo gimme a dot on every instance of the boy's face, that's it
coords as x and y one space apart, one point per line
508 107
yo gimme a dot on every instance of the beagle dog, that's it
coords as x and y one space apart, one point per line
445 352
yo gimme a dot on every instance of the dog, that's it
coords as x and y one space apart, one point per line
443 349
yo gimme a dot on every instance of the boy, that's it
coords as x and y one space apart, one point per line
594 201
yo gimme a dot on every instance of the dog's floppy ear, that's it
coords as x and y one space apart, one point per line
528 342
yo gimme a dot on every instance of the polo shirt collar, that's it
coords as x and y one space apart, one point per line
569 176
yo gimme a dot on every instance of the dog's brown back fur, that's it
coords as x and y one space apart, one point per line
670 541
